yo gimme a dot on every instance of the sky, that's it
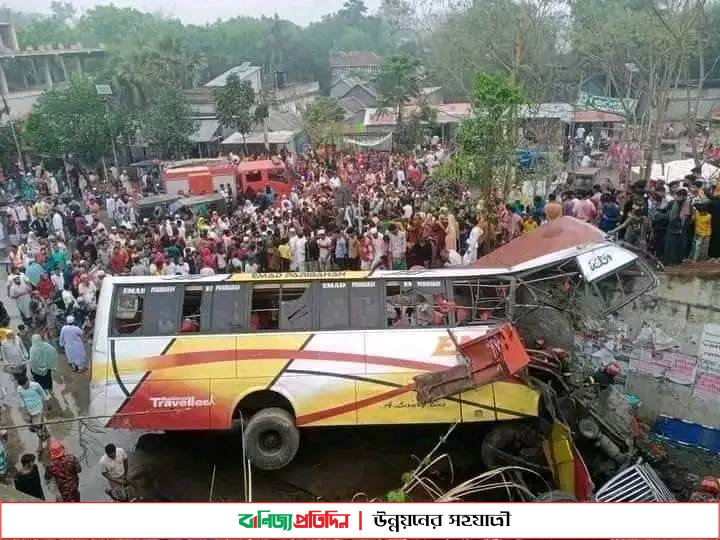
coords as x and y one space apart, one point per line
301 12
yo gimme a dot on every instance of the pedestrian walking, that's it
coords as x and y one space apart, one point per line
13 354
64 470
32 404
43 361
71 339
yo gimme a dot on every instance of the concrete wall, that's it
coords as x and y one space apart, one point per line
668 321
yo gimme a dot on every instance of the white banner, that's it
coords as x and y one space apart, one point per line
360 520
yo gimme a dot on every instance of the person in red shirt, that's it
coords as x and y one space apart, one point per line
367 252
119 260
45 287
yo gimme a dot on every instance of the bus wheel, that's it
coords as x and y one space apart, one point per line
271 439
555 496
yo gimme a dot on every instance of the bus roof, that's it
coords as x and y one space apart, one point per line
556 240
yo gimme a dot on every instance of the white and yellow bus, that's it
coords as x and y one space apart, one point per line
285 351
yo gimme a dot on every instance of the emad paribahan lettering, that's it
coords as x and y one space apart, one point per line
314 519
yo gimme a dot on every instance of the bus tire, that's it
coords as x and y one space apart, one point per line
271 439
555 496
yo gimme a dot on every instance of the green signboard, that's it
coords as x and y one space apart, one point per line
606 104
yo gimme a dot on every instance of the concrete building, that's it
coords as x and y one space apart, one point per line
286 104
364 64
25 74
245 72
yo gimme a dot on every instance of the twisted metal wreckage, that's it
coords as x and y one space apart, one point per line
561 277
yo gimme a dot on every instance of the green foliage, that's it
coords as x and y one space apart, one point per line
397 495
72 120
322 120
167 122
398 81
487 142
233 103
413 128
302 53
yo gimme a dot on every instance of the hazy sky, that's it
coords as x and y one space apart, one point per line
201 11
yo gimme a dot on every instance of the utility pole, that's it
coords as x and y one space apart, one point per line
6 110
104 91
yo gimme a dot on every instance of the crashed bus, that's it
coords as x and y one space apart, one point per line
275 352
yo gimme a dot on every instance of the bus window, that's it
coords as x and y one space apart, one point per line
128 311
334 306
228 308
264 313
195 310
296 307
414 304
253 176
162 309
476 301
365 305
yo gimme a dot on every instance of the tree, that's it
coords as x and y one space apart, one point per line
651 43
398 82
72 120
167 122
322 120
522 38
63 11
234 103
412 129
353 11
487 142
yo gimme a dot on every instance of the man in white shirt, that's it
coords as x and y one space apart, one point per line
114 467
324 244
400 177
298 254
53 187
58 225
335 181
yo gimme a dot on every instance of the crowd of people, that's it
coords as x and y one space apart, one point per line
344 211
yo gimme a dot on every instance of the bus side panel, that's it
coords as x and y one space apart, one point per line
191 356
478 405
515 400
392 359
226 394
159 390
167 405
321 378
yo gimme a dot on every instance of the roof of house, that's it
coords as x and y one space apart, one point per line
351 104
243 71
283 121
206 131
354 59
350 83
274 137
549 111
596 116
447 113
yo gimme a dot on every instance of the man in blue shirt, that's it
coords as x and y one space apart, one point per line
32 402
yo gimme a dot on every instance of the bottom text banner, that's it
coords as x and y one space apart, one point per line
360 520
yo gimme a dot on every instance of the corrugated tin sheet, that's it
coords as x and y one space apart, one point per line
206 131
